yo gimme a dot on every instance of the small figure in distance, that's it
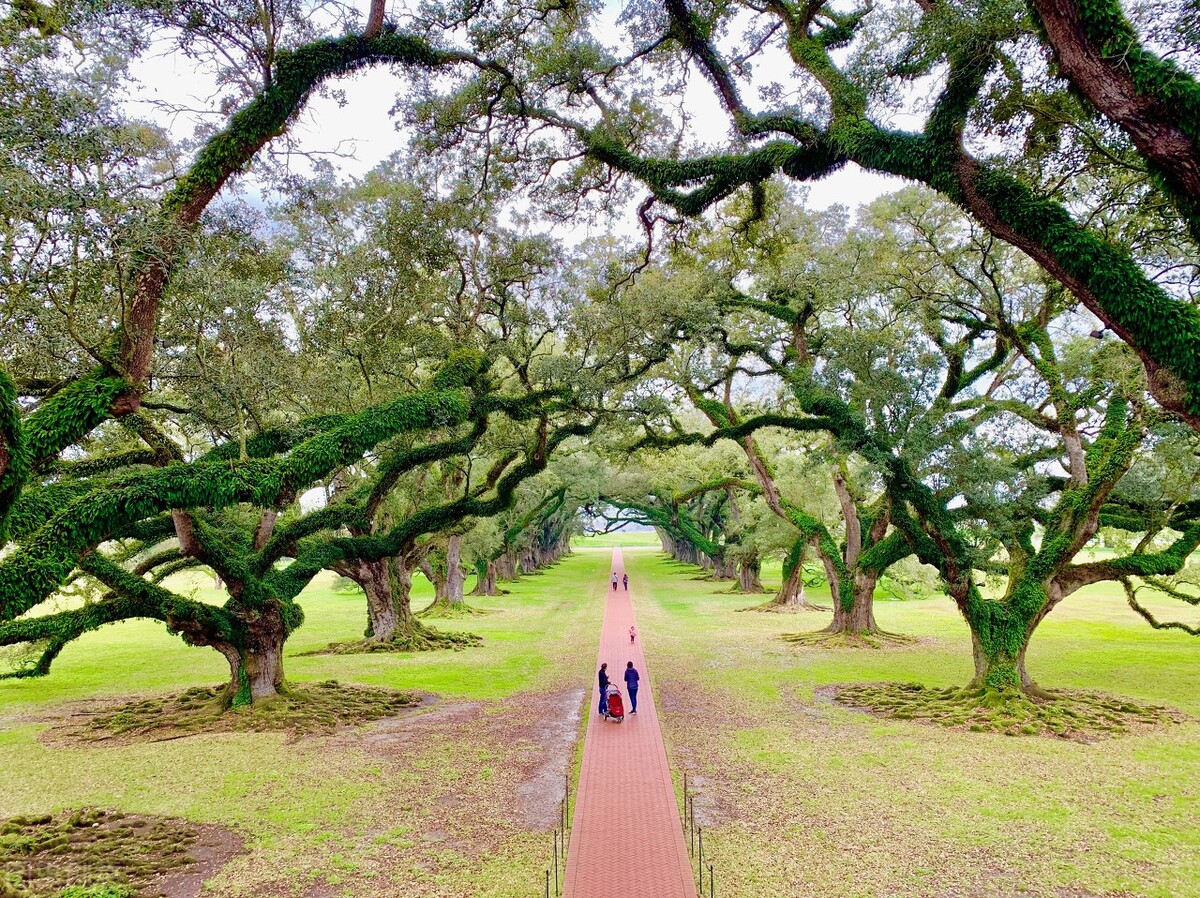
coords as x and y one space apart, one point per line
625 580
631 686
614 581
603 687
632 634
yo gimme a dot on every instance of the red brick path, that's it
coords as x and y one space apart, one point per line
626 840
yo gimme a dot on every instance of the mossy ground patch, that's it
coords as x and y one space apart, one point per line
97 853
1067 714
301 709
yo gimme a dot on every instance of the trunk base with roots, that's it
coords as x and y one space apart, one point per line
748 579
444 608
412 637
1001 672
485 581
255 663
853 627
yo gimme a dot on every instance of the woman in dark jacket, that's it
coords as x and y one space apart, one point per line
631 686
603 687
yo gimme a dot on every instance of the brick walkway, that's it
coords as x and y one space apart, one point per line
626 840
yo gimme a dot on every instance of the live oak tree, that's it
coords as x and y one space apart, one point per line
998 447
223 510
844 71
116 384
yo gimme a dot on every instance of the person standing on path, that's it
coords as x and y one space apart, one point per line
632 635
614 581
625 580
603 687
631 686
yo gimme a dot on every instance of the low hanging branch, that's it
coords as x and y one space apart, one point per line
1164 332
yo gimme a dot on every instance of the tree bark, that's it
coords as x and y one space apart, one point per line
455 577
749 575
255 659
859 618
1111 85
791 591
485 577
506 566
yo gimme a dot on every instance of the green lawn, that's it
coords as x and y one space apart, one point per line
619 538
428 815
802 798
797 797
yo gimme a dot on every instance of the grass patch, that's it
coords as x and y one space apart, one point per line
89 853
316 813
1066 714
800 796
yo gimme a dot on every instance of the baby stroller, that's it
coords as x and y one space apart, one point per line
614 708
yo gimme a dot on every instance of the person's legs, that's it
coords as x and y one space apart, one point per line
633 701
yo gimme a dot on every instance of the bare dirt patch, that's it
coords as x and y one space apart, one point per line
108 854
1066 714
303 709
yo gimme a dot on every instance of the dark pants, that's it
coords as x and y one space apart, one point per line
633 699
603 700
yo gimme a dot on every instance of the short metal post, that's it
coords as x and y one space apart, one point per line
547 884
700 849
556 862
711 891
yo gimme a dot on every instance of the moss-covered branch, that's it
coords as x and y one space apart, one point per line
33 572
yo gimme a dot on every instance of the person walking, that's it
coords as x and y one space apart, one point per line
614 581
632 634
603 687
625 580
631 686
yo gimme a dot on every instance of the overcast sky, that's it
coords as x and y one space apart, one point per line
365 133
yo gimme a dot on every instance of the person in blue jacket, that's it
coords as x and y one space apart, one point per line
603 687
631 685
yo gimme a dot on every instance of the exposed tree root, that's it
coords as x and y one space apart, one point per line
425 639
773 607
845 639
1067 714
47 854
300 708
445 610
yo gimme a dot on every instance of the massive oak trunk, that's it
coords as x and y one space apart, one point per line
791 591
748 575
455 576
506 566
255 656
485 579
387 585
859 617
999 641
